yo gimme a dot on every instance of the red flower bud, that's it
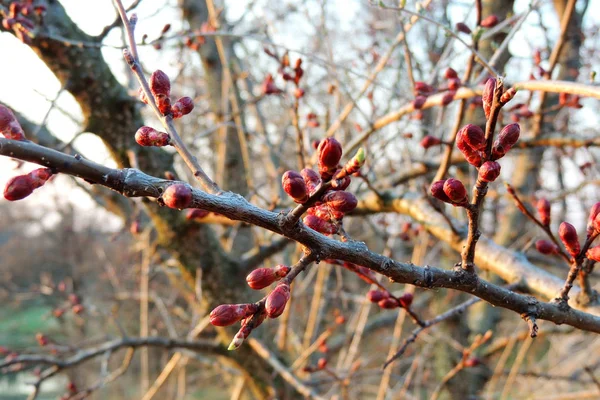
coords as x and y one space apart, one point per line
330 153
375 296
508 95
568 235
320 225
437 191
21 186
430 141
454 84
543 209
422 88
546 247
419 102
455 190
509 135
276 301
462 27
160 84
163 102
469 140
311 178
294 185
42 339
340 201
487 96
448 97
489 171
450 73
182 107
196 214
177 196
322 363
472 362
490 21
268 86
406 300
593 223
260 278
228 314
593 253
147 136
9 126
388 303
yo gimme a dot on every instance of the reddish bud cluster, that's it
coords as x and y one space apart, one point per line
9 126
386 301
294 185
178 195
568 235
450 191
160 87
195 42
147 136
22 186
262 277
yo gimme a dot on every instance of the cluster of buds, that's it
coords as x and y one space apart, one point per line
423 90
331 205
387 301
178 196
196 41
160 87
147 136
22 186
22 17
9 126
288 73
450 191
157 43
73 303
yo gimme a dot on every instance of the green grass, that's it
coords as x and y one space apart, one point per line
18 327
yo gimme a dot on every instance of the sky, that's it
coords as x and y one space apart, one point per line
30 86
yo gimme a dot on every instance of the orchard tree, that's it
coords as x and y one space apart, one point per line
391 206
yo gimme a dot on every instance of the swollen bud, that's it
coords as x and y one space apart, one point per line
462 27
388 303
455 190
437 191
294 185
147 136
543 209
160 84
340 201
311 179
277 300
593 224
430 141
450 74
9 126
508 95
488 96
546 247
419 102
508 137
469 140
320 225
330 153
489 171
406 300
182 107
21 186
228 314
260 278
490 21
593 253
375 296
177 196
568 235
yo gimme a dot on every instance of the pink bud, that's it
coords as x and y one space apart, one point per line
568 235
462 27
488 96
147 136
419 102
375 296
437 191
160 84
546 247
320 225
593 223
182 107
406 300
450 73
448 97
294 185
489 171
228 314
9 126
262 277
340 201
388 303
177 196
455 190
311 178
277 300
543 209
196 214
21 186
330 153
490 21
593 253
508 137
430 141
